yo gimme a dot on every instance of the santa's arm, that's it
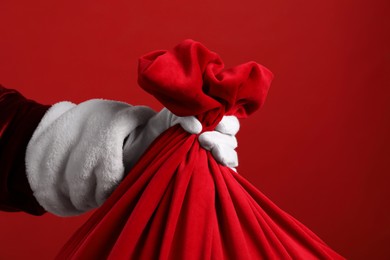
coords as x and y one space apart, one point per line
19 118
67 158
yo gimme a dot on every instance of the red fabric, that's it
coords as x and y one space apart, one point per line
18 119
177 202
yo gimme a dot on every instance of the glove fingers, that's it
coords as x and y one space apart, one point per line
190 124
229 125
209 140
225 155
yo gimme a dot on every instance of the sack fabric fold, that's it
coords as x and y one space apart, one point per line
178 202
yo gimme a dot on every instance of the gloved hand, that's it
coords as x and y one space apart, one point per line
140 140
74 159
220 142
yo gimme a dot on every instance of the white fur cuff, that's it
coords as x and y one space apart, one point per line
74 159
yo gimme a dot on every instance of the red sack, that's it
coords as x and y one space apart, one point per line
178 202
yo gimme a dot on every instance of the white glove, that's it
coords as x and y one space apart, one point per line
220 142
137 143
74 159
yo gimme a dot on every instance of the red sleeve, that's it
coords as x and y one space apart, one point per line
19 117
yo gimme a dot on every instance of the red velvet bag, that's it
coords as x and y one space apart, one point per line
178 202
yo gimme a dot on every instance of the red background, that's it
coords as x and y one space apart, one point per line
319 148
